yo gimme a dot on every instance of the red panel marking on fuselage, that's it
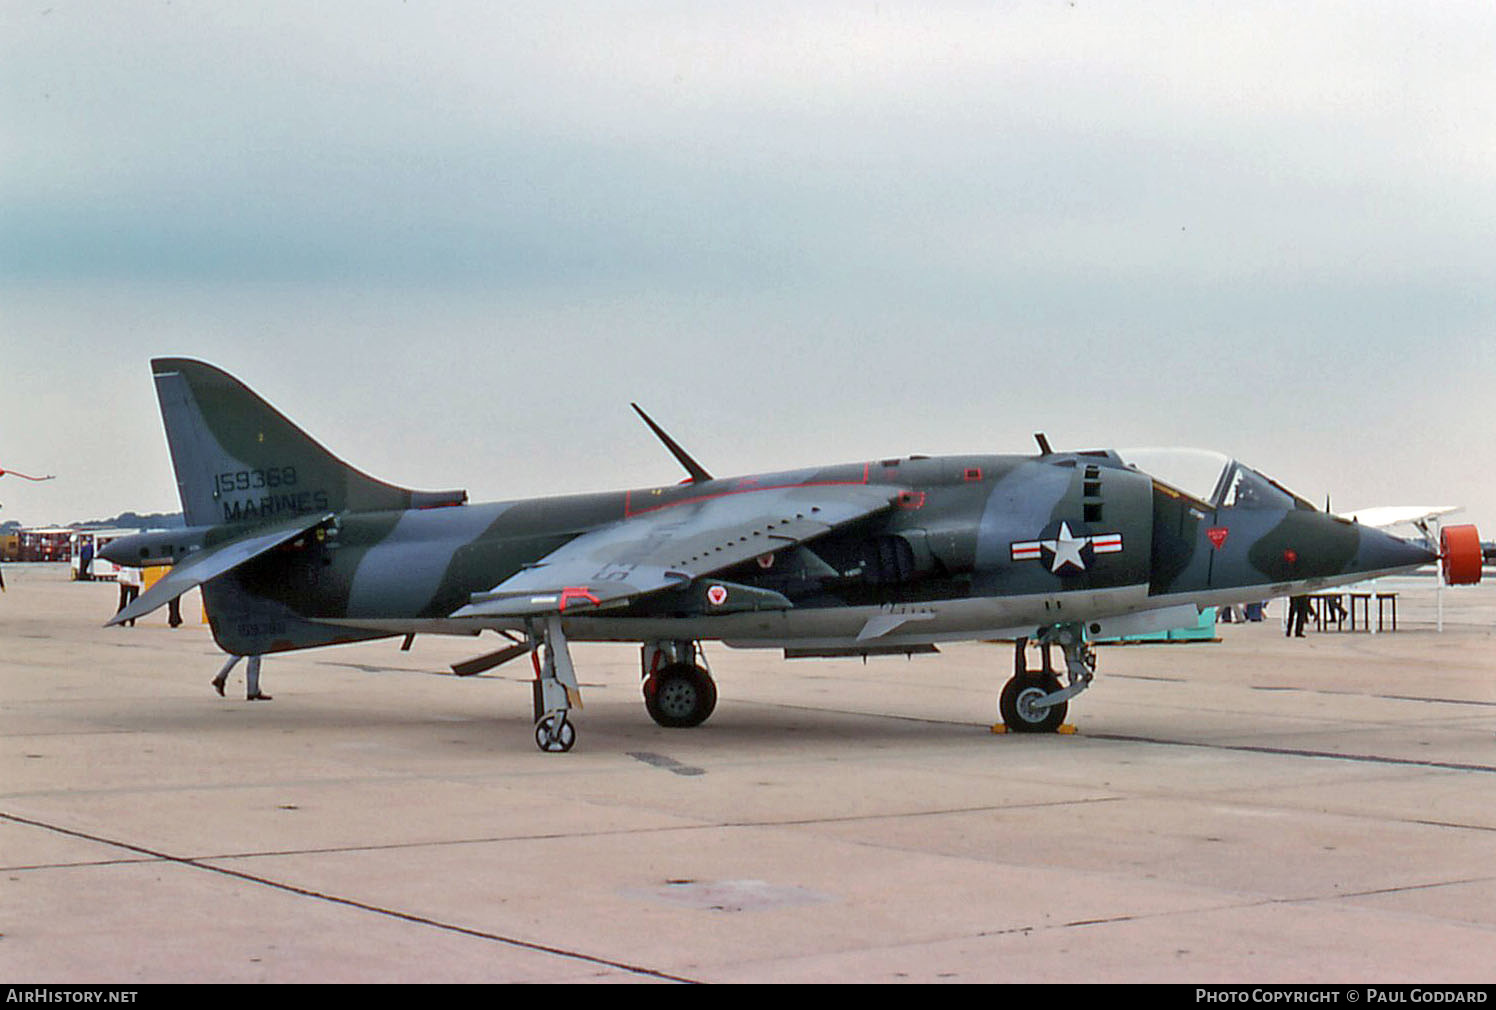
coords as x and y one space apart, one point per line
629 513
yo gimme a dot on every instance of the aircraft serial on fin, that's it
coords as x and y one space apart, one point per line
293 548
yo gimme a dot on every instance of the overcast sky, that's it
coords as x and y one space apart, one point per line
454 240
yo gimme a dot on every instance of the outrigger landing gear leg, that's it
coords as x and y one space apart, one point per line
678 689
1033 701
556 690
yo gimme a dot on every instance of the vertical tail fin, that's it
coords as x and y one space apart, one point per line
239 460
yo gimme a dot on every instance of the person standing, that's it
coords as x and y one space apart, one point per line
1298 614
252 690
129 589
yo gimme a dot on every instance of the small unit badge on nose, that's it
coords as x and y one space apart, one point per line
1064 551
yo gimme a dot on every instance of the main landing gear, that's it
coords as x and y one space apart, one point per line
678 689
1034 701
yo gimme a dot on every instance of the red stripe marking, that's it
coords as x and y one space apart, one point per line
576 593
629 513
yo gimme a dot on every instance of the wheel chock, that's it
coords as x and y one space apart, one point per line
1065 729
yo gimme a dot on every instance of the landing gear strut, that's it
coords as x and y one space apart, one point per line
678 689
556 690
1034 701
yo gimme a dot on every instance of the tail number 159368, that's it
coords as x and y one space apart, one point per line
251 480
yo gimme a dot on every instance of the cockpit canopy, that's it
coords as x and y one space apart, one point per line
1213 478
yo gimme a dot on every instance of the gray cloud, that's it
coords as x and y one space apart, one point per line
1263 227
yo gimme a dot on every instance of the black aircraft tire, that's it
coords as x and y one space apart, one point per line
1031 685
555 734
680 696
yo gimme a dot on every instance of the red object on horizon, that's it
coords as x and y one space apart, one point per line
17 473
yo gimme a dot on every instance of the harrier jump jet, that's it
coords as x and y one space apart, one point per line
294 548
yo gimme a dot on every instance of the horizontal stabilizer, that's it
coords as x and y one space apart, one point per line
211 562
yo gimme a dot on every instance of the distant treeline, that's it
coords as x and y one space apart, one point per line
123 521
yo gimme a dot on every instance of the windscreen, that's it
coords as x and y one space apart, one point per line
1196 472
1249 489
1212 477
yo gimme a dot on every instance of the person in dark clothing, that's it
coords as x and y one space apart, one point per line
1298 614
129 589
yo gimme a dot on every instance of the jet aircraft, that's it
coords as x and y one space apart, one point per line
294 548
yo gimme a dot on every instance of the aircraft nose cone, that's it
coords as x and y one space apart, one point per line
1382 551
119 549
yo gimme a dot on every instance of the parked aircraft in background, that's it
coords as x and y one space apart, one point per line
1427 520
293 548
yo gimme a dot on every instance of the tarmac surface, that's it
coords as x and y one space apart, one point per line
1258 810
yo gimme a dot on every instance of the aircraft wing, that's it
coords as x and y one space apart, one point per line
668 547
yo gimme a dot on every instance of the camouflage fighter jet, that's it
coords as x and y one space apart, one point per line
293 548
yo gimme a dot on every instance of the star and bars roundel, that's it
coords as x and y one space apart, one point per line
1067 548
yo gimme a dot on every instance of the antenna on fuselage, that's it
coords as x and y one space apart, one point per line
696 470
1044 449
